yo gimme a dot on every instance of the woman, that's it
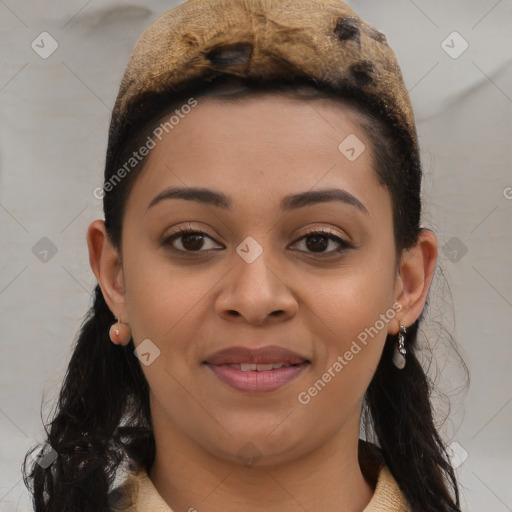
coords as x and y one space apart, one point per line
262 273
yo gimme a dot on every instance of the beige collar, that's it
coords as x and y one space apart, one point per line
140 495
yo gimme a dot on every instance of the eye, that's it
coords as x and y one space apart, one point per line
190 240
318 240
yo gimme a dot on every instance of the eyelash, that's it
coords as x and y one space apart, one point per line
180 232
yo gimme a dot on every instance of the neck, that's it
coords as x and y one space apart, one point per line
328 478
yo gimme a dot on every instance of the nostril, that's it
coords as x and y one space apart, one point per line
230 55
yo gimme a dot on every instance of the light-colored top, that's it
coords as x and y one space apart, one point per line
140 495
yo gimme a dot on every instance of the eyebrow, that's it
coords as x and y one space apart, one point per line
291 202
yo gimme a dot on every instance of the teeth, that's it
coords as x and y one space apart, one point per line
251 367
263 367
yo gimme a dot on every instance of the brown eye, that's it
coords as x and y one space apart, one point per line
189 240
318 241
192 242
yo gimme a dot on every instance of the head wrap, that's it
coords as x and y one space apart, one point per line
320 39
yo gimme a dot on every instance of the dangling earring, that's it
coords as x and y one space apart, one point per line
400 351
120 333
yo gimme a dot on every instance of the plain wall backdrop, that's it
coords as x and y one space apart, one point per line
54 115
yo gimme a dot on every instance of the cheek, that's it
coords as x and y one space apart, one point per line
350 301
350 340
162 297
350 315
166 305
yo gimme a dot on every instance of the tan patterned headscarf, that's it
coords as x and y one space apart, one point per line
321 39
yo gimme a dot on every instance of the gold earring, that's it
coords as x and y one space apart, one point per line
400 350
120 333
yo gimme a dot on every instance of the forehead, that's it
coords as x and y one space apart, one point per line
261 148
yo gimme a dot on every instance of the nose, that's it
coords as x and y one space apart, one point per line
255 293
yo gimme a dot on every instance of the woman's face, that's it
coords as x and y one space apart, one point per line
257 277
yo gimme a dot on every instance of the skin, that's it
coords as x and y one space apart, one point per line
257 152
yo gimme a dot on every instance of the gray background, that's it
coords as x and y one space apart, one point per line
54 116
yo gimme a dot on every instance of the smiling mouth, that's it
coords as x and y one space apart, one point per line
257 378
257 370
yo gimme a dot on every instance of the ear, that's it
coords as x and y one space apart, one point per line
415 274
106 264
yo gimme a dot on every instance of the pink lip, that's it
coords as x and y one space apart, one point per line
255 381
263 355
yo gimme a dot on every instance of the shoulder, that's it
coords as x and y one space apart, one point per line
124 497
137 494
387 496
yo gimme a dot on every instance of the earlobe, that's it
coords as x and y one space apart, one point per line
106 266
416 272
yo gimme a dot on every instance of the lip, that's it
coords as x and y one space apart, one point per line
262 355
255 381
